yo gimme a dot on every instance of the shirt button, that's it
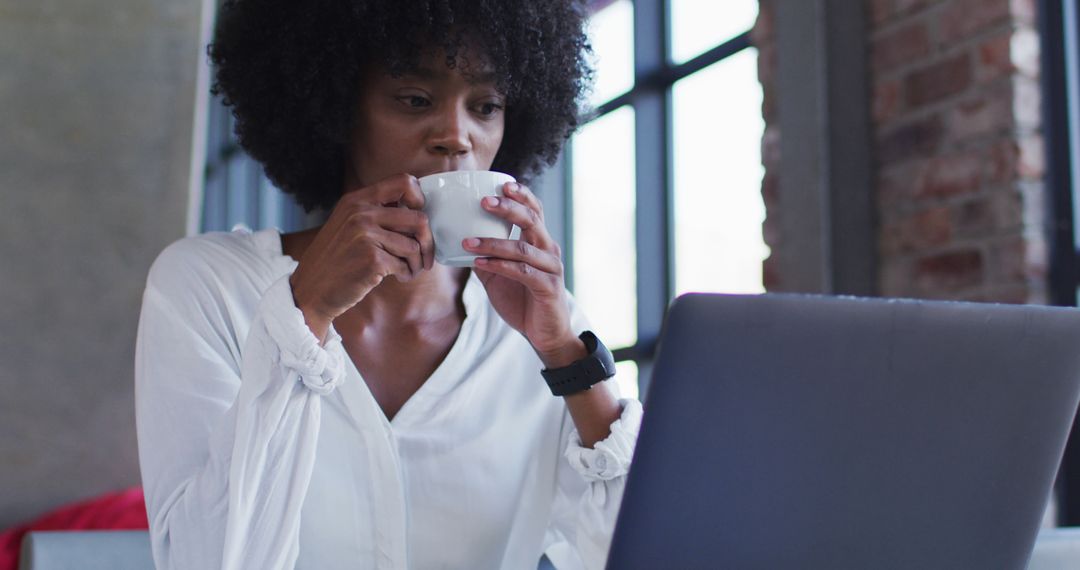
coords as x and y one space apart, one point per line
601 462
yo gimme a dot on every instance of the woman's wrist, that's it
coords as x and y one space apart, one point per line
317 320
565 354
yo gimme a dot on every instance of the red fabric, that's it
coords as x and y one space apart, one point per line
123 510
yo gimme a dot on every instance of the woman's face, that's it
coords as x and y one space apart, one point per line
434 119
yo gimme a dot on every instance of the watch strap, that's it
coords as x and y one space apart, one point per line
582 374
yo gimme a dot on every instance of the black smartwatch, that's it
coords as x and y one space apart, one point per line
583 374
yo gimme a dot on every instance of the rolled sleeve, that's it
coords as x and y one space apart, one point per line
609 458
320 367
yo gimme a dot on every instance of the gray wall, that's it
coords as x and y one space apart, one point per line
96 114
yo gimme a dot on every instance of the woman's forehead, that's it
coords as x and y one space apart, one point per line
437 72
437 63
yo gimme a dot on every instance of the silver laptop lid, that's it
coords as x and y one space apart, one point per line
790 431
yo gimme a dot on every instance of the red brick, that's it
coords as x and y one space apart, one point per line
928 228
949 272
975 217
920 138
988 113
1001 163
1009 210
939 80
994 57
881 11
988 215
961 19
887 102
1012 294
933 226
904 44
908 7
1018 259
952 174
899 184
1011 260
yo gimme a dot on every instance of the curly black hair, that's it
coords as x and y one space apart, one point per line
291 70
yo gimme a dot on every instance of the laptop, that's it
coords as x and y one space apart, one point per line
793 431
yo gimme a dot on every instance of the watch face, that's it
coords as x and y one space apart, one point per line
590 341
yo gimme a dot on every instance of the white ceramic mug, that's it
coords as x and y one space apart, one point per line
452 203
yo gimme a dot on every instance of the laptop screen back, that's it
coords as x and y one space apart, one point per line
788 431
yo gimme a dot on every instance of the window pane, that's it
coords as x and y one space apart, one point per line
272 202
604 256
239 192
626 376
611 33
717 160
699 25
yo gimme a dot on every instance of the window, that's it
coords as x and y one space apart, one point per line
665 180
236 191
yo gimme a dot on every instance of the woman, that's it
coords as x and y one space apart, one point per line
335 399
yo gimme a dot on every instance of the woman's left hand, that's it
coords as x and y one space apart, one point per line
524 277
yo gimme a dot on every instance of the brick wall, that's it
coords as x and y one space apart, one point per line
958 155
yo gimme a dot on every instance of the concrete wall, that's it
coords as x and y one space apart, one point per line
96 114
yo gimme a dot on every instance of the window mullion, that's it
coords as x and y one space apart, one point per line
651 104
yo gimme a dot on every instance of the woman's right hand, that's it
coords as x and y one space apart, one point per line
372 233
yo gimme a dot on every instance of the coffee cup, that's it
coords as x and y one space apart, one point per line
452 203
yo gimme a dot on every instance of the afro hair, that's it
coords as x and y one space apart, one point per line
292 72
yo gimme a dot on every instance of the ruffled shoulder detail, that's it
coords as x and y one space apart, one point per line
321 368
609 458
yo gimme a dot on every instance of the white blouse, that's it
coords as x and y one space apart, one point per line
261 449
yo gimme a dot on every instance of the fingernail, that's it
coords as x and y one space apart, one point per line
512 187
472 242
491 201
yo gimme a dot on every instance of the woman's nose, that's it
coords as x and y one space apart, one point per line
451 135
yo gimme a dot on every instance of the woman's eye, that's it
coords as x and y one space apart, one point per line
488 109
414 101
